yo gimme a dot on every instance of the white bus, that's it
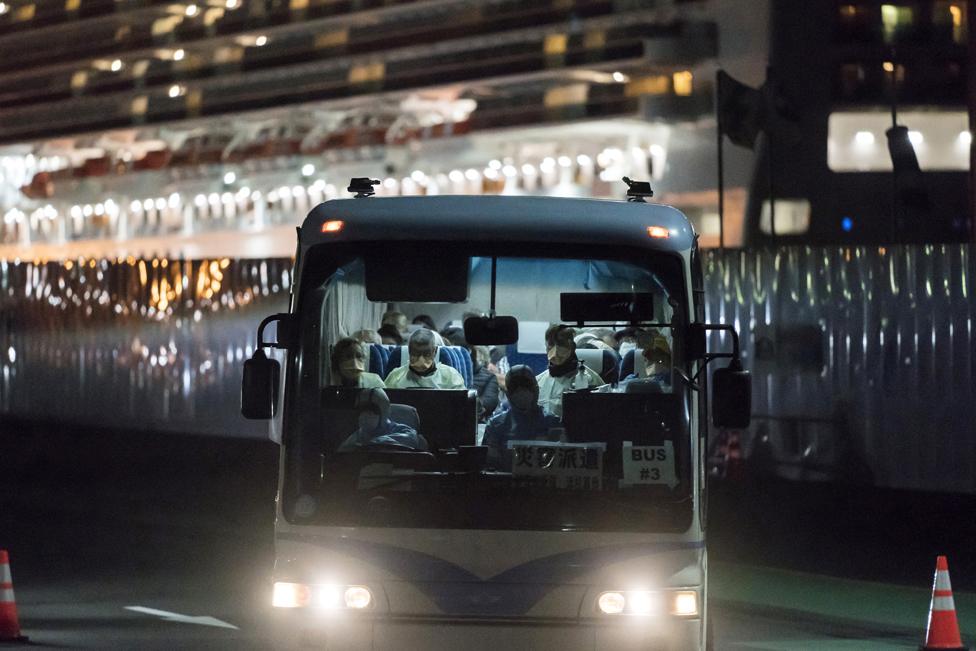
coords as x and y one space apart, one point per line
437 525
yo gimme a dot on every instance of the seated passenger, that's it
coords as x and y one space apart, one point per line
376 428
523 419
349 366
389 335
396 319
565 373
657 359
485 383
367 336
423 371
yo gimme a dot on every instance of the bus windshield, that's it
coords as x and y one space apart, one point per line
394 420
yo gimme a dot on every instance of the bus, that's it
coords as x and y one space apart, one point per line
410 516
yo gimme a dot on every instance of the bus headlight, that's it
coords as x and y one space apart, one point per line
611 603
358 597
679 603
631 602
290 595
324 597
684 603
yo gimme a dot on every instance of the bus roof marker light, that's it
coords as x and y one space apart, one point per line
658 232
333 226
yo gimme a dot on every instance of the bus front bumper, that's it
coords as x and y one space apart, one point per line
297 630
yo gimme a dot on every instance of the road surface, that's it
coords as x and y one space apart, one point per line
121 541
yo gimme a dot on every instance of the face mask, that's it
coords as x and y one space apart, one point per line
522 399
626 347
421 361
368 421
352 368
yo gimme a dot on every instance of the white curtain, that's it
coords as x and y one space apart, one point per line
345 309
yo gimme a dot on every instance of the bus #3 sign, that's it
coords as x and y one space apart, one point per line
561 465
649 464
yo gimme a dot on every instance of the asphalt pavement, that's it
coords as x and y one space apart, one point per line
133 541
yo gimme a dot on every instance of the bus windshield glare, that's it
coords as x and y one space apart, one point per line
590 432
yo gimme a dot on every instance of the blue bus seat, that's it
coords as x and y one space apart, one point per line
538 362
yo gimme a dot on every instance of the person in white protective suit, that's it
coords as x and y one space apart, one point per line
424 372
565 373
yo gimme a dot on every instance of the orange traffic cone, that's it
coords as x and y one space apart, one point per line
942 632
9 627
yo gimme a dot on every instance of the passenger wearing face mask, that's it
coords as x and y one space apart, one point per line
524 419
626 340
349 366
376 428
565 373
424 372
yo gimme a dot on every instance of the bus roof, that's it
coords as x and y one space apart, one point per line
500 219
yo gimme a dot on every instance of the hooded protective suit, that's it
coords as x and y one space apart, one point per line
524 419
424 372
376 428
442 377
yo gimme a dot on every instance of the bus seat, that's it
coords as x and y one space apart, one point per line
378 358
405 415
457 357
604 362
538 362
633 363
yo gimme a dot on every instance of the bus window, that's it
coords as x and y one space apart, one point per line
602 443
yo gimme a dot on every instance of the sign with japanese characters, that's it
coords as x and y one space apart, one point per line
561 465
649 464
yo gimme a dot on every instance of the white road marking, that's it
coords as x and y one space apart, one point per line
204 620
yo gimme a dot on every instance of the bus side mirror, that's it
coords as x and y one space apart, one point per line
731 396
259 388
